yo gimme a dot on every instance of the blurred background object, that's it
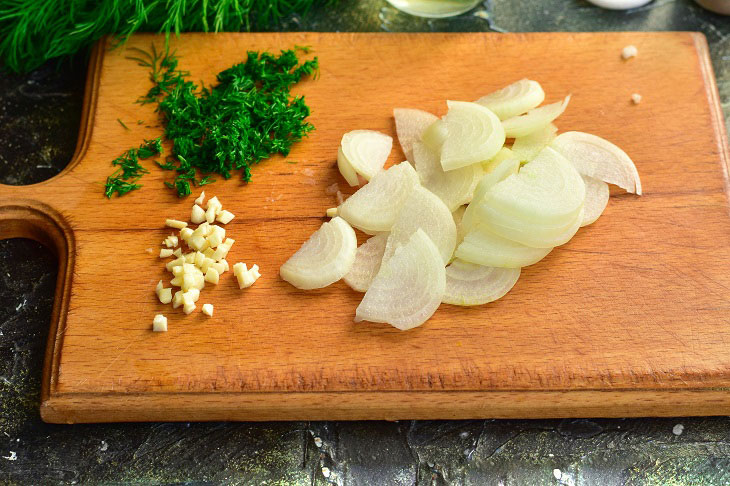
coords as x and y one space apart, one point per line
434 8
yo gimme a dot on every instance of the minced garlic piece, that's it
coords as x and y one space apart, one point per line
200 199
636 98
208 309
165 252
197 215
174 223
225 217
628 52
246 277
331 212
159 323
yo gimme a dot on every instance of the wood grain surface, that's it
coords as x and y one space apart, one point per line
630 318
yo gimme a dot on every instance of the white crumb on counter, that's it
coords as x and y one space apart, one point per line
208 310
636 98
628 52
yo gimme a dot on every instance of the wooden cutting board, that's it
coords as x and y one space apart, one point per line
630 318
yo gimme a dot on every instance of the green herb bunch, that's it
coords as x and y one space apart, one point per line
33 31
247 116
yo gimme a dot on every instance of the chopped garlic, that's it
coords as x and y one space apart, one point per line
175 263
191 296
246 277
177 252
220 268
212 275
177 271
221 252
331 212
186 233
198 215
189 257
214 202
224 262
629 51
200 199
188 308
159 323
225 217
208 309
209 252
636 98
202 230
174 223
159 287
210 213
198 243
165 252
165 295
199 259
177 281
177 299
171 241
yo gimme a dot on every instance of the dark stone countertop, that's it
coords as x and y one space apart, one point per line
39 117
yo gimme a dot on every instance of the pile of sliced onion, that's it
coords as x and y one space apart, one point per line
428 247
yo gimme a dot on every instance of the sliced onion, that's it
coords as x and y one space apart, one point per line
526 148
535 119
425 211
504 153
435 135
365 151
458 216
539 206
367 263
498 170
375 206
324 258
408 288
598 158
482 247
597 194
454 187
470 284
475 134
346 169
514 99
409 126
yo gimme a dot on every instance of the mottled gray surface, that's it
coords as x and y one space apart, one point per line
39 116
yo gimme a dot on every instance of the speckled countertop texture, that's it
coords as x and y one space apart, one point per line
39 118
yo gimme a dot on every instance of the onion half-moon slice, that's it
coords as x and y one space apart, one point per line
496 172
425 211
597 195
363 152
526 148
408 288
454 187
324 258
409 126
514 99
367 263
435 135
470 284
535 119
598 158
376 205
483 247
475 134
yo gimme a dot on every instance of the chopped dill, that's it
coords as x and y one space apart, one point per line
291 162
122 124
129 169
246 117
140 122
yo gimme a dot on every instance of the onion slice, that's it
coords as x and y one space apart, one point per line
324 258
526 148
425 211
535 119
458 216
408 288
539 206
454 187
497 171
514 99
475 134
365 152
482 247
470 284
435 135
598 158
374 207
597 194
367 263
409 126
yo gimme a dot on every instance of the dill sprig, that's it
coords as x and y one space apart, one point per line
33 31
247 116
129 172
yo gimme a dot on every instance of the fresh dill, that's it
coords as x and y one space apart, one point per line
247 116
34 31
122 124
129 169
